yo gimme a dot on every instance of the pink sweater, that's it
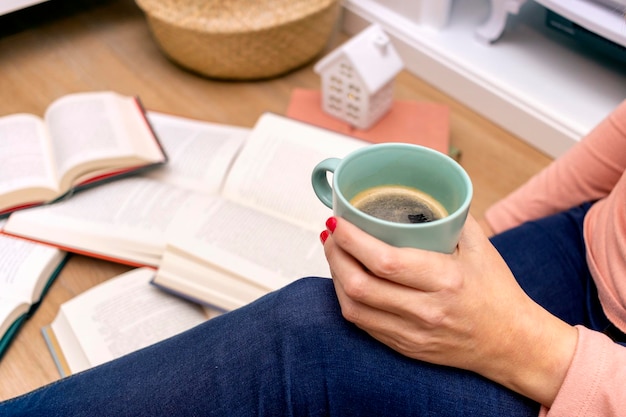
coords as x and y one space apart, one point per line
594 169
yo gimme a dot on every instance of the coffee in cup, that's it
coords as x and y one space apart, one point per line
399 203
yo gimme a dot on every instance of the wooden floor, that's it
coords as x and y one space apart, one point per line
68 46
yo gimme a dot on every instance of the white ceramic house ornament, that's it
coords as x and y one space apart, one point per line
357 78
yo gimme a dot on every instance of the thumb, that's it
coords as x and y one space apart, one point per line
472 235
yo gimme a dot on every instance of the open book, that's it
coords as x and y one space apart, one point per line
119 316
261 232
126 220
239 218
83 139
27 269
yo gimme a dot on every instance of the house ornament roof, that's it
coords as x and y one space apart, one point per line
372 55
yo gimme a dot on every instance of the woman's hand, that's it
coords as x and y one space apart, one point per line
464 309
487 230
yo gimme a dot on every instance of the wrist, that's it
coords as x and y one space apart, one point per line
535 361
551 361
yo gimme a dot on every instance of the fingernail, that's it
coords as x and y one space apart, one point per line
331 224
324 235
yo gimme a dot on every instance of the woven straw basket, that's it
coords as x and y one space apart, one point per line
241 39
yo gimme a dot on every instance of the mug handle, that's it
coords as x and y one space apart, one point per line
319 179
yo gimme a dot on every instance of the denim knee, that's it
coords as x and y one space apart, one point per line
304 302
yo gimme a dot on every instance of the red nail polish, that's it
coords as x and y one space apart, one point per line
323 236
331 224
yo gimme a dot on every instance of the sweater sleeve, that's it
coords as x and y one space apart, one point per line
587 172
594 384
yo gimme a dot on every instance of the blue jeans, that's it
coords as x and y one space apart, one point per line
292 353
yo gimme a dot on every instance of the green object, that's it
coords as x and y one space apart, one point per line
398 164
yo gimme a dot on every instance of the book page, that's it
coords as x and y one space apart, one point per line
201 282
200 153
10 310
25 268
92 131
273 171
120 316
127 218
266 251
25 159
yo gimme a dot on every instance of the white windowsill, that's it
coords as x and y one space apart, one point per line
532 81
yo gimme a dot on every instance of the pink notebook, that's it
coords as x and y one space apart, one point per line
421 123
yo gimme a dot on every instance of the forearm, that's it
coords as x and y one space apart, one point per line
587 172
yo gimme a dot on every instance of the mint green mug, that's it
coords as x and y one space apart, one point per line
406 165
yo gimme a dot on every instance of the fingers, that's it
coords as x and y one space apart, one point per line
365 316
372 288
405 266
372 277
362 295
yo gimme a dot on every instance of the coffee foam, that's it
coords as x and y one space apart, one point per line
398 203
